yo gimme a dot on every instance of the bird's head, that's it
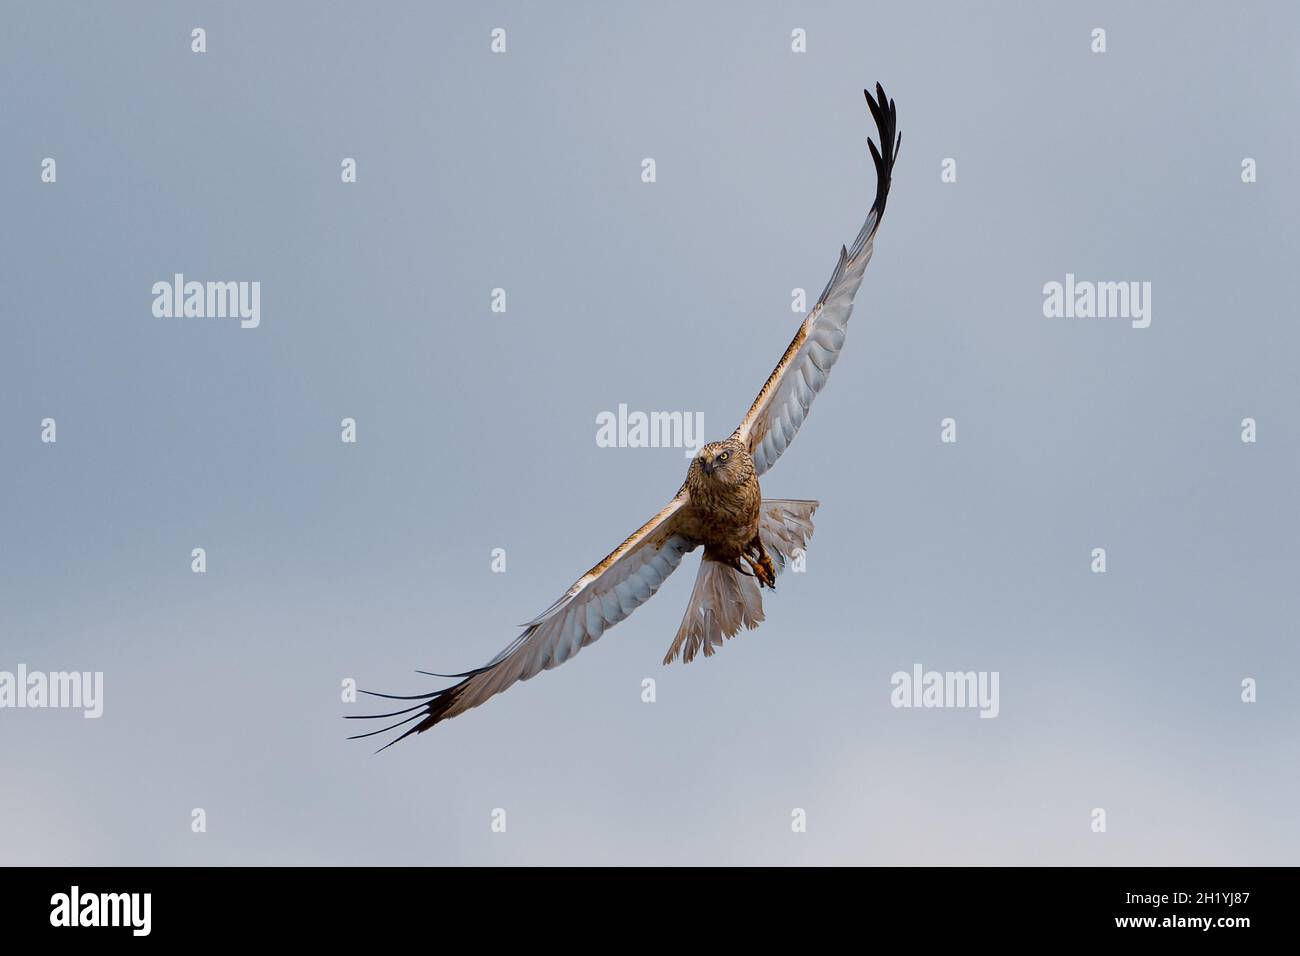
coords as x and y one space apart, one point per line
724 462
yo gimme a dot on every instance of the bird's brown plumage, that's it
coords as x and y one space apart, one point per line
721 513
747 539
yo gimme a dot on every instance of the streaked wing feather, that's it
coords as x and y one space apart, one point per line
624 580
785 527
785 399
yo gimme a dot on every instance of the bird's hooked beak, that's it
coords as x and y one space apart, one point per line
707 464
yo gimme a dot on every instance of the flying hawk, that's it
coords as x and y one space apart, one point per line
747 539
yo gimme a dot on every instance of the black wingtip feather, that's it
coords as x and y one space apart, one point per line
432 709
372 693
885 114
384 730
395 713
460 676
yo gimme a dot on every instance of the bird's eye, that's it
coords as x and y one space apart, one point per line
724 456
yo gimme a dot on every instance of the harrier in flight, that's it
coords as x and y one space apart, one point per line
747 539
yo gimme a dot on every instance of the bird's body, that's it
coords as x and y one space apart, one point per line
724 497
747 540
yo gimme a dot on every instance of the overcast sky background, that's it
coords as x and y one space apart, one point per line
477 430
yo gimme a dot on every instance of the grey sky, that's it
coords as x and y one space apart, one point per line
477 430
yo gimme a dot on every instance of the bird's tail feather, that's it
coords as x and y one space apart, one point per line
724 600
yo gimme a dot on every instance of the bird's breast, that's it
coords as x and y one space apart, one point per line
723 518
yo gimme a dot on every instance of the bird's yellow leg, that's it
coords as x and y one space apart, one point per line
764 570
764 561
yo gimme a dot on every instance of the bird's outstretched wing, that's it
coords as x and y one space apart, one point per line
781 406
598 600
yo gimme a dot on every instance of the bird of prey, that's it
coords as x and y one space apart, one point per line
747 539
